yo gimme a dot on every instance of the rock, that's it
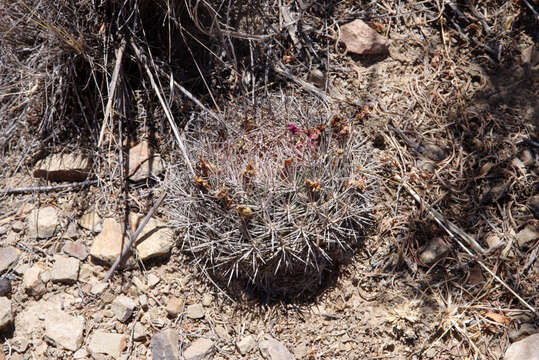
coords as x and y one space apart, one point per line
195 311
98 288
64 330
107 246
123 307
246 345
207 299
492 239
434 251
63 167
152 280
174 306
524 330
75 249
91 221
360 39
29 322
32 282
155 240
525 349
65 269
425 165
107 343
80 354
273 350
165 345
42 222
20 344
143 301
143 162
5 287
200 349
139 333
71 232
6 316
317 78
17 226
221 332
526 235
8 257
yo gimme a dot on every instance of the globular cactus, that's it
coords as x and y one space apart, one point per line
282 190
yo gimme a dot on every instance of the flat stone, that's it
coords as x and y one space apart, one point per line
524 330
247 344
65 269
525 349
221 332
143 162
195 311
80 354
8 257
71 232
123 307
30 321
98 288
272 349
139 333
107 343
174 306
32 282
64 330
200 349
152 280
165 345
5 287
63 167
6 315
143 301
360 38
42 222
155 240
107 246
526 235
75 249
91 221
435 250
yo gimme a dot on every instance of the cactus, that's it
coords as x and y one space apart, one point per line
281 192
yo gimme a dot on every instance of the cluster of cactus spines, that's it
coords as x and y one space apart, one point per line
280 193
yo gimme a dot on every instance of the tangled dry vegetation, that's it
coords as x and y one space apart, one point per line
451 109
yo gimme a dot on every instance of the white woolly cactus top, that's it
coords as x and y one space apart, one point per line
279 194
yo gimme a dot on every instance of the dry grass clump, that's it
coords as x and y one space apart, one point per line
281 191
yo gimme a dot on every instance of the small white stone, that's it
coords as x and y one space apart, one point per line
43 222
107 343
139 333
32 282
152 280
123 307
98 288
64 330
195 311
199 349
65 269
247 344
207 299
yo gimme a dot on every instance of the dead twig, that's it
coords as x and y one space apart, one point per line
48 188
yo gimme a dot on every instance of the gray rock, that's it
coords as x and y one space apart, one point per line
107 343
165 345
98 288
174 306
71 232
143 162
195 311
32 282
42 222
525 349
200 349
64 330
272 349
80 354
435 250
75 249
65 269
8 257
91 221
5 287
139 333
153 280
155 240
221 332
63 167
207 299
526 235
6 315
123 307
523 330
246 345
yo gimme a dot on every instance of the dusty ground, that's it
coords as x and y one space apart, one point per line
386 303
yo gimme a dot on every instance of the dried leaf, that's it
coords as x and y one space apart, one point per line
485 169
499 318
